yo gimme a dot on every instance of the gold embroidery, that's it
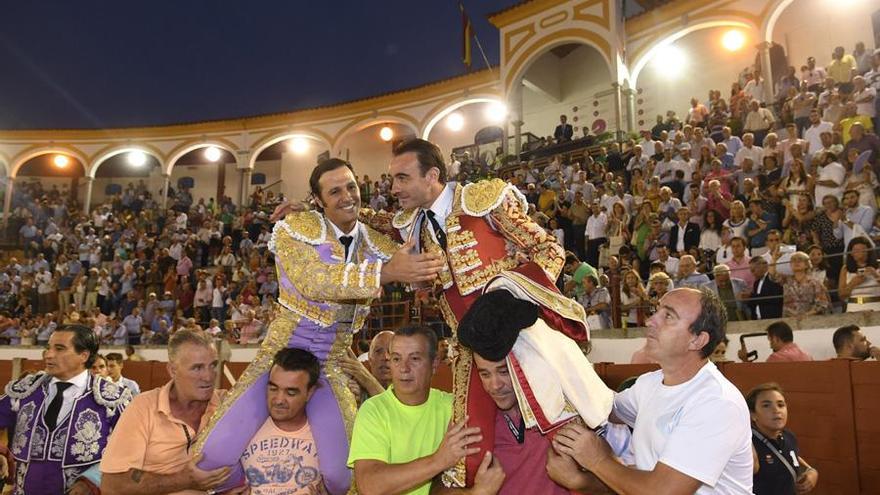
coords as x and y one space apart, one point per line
476 279
279 333
460 239
404 218
564 306
307 226
541 247
461 372
381 245
317 280
481 197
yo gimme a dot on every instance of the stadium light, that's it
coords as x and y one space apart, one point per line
298 145
733 40
137 158
455 122
212 153
386 134
496 112
61 161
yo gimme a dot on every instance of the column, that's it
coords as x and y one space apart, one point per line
631 117
166 184
242 163
516 111
7 201
90 181
618 110
246 175
766 71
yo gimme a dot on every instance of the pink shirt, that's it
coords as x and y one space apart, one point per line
789 353
525 464
741 271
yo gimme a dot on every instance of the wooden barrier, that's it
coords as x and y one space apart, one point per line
866 406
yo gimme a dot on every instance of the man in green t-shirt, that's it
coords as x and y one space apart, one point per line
577 270
403 438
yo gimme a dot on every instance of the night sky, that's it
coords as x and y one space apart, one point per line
91 64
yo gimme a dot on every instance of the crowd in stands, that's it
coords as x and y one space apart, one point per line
769 199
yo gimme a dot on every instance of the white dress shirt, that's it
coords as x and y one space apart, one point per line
79 384
354 239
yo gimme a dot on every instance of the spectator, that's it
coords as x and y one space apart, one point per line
730 291
99 367
563 131
766 293
687 275
842 69
633 299
758 122
681 335
114 373
597 303
147 448
595 233
781 339
859 283
779 468
850 343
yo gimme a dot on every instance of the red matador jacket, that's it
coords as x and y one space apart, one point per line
489 232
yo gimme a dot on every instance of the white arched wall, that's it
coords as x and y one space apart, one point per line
406 122
643 60
575 79
103 157
367 152
293 169
23 157
814 27
474 120
716 68
439 115
178 154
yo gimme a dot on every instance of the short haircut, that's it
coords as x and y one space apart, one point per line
323 168
114 356
739 239
843 336
293 359
424 331
427 153
781 330
181 337
571 258
752 396
712 319
84 339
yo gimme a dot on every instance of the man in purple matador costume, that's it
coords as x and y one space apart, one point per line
49 460
323 300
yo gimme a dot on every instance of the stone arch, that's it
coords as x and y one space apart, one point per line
521 63
48 149
642 60
360 124
438 114
773 13
266 142
193 145
104 155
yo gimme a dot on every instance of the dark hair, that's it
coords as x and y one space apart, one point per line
851 262
321 169
752 396
823 265
718 221
571 258
712 320
293 359
843 336
114 356
425 331
84 339
427 153
781 331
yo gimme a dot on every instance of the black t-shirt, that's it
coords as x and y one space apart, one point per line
773 478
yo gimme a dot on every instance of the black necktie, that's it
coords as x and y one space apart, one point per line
55 406
438 232
346 241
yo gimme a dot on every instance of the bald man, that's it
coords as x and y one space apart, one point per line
380 360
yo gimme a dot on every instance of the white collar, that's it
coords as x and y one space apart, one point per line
442 206
339 233
80 381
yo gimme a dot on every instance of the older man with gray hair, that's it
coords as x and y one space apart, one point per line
729 289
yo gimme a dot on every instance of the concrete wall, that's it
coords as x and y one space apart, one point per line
815 27
566 83
368 154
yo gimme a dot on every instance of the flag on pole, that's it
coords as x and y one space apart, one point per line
467 34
